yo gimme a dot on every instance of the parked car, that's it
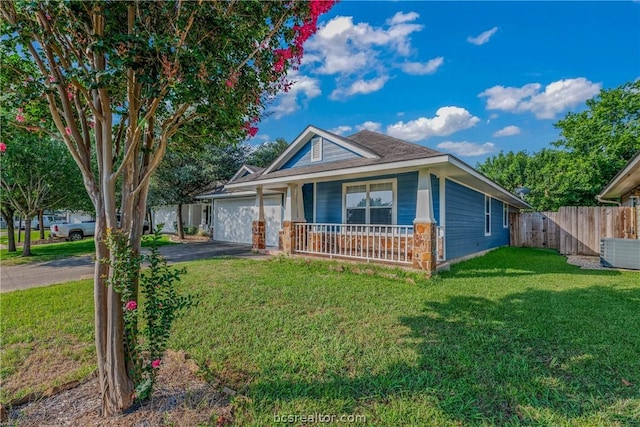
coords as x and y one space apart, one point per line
73 232
80 230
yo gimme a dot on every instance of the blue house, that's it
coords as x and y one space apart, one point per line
366 196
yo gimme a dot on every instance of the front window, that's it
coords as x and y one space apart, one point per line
369 203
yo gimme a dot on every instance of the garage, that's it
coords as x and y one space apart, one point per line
233 218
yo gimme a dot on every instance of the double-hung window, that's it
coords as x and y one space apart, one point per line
505 215
487 215
369 203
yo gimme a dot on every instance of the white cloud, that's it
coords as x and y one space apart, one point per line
417 68
344 47
341 130
482 38
467 149
557 97
360 87
369 125
448 120
401 18
360 54
303 89
263 137
507 131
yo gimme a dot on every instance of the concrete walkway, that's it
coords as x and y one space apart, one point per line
32 275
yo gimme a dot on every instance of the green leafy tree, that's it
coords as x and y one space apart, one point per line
185 174
37 173
266 153
596 144
120 79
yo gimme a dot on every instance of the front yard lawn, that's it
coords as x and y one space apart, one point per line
515 337
62 249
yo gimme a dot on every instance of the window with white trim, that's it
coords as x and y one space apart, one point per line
369 203
505 215
487 215
316 149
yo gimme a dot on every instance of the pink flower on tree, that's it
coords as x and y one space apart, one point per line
19 118
3 147
67 130
155 364
131 305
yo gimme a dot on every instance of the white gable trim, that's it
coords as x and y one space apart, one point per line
242 169
306 136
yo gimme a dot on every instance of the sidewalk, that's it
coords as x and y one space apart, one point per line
27 276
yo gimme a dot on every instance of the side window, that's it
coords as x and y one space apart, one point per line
487 215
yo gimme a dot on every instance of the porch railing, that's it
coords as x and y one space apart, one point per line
391 243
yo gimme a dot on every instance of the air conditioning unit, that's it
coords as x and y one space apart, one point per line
620 253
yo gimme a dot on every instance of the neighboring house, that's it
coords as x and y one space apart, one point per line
366 196
624 188
193 215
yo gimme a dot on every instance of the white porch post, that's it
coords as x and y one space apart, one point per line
424 202
424 226
287 236
258 229
260 203
288 211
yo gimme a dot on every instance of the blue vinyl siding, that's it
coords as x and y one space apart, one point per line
331 152
435 191
464 233
329 198
307 201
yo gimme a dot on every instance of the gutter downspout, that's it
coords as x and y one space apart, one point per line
601 200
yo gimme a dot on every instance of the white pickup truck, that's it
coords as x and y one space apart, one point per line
73 232
80 230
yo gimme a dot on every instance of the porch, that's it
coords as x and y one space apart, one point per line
372 243
416 242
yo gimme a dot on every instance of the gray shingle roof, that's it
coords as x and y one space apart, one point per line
389 150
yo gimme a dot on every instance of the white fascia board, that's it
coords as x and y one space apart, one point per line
305 136
511 198
633 165
244 168
331 175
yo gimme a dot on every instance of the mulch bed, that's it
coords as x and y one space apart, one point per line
180 398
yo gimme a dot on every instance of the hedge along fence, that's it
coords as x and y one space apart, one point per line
573 230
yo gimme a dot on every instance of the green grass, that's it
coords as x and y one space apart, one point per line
51 251
517 337
35 235
47 338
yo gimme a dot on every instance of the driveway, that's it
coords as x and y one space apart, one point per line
27 276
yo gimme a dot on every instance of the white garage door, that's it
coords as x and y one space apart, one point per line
233 218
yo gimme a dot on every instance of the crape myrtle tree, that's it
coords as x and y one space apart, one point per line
121 78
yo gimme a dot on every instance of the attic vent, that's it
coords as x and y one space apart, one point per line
316 149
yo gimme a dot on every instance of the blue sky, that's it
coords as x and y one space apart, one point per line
468 78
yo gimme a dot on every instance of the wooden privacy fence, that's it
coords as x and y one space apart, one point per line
573 230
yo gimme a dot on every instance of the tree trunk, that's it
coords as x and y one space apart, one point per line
11 232
180 228
19 228
26 248
41 223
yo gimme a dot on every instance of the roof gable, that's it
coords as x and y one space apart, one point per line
336 147
244 171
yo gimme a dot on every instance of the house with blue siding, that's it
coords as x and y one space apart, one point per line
366 196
